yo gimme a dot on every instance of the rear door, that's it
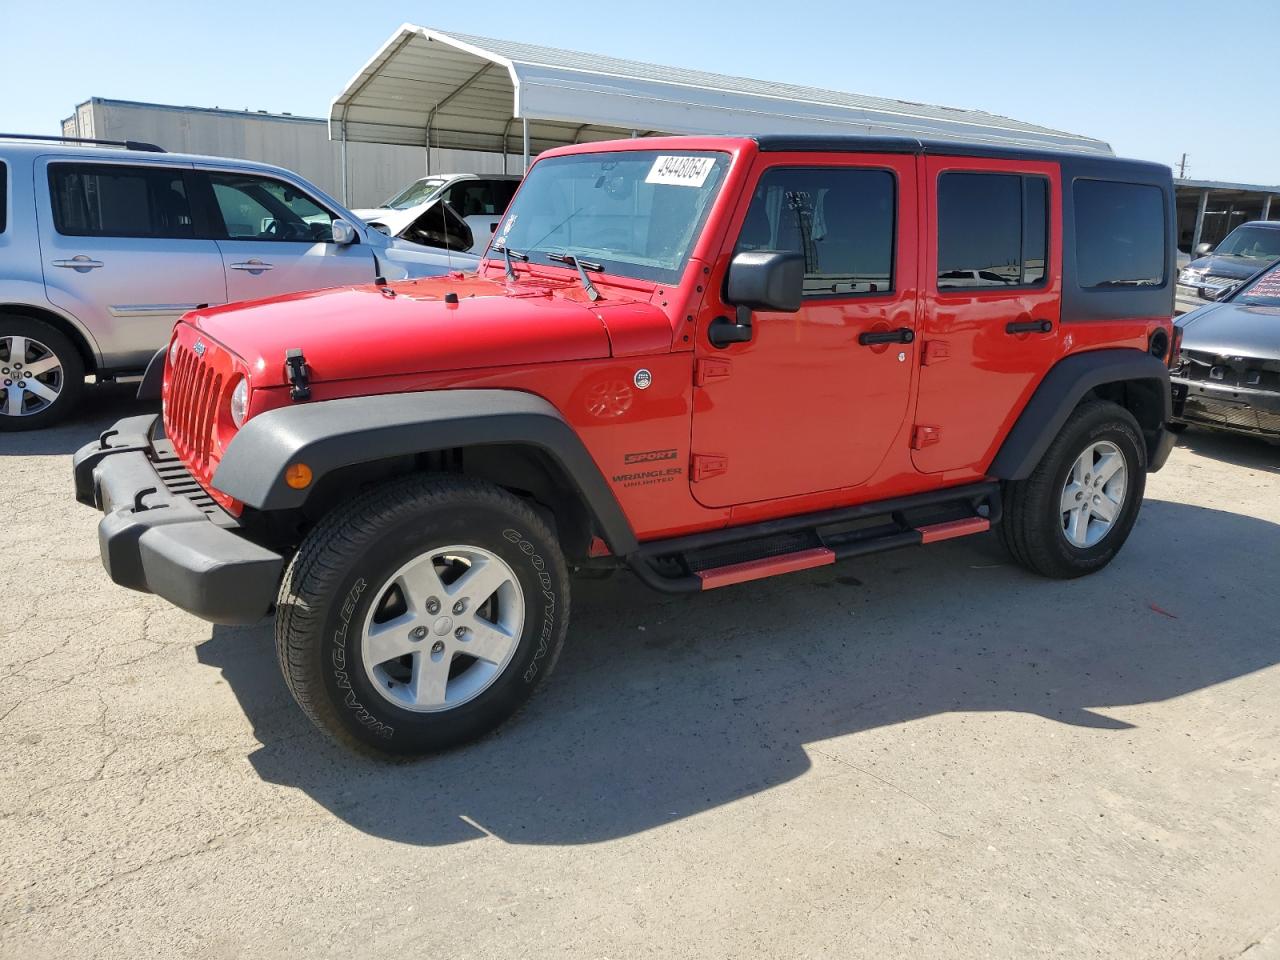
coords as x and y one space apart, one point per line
122 251
993 284
812 403
275 238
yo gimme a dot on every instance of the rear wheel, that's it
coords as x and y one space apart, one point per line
41 374
1075 511
422 615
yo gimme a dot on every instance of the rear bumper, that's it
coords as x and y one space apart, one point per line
160 534
1226 406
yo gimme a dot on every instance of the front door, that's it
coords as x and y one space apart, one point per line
993 282
276 239
812 403
122 253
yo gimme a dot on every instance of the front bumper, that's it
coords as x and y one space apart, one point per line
1226 406
161 534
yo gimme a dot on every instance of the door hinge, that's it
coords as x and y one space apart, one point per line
708 369
935 351
924 436
704 466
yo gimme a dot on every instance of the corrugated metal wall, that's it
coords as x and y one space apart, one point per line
374 171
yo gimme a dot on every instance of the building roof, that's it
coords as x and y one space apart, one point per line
465 92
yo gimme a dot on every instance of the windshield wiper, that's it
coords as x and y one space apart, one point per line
583 266
507 254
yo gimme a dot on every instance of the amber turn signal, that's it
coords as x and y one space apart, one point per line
297 475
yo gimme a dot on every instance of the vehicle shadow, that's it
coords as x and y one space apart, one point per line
663 708
1252 452
100 406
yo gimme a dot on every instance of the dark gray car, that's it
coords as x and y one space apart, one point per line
1228 372
1247 249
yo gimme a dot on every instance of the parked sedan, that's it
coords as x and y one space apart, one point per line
1228 372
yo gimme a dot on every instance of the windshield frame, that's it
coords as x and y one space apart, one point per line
723 163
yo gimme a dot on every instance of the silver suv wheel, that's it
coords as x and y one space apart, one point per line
31 376
1094 494
442 628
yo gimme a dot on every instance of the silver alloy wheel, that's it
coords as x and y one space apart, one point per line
442 628
31 376
1094 494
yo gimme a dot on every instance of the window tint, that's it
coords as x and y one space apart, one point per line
259 208
1120 234
503 191
992 230
100 200
4 197
473 198
841 220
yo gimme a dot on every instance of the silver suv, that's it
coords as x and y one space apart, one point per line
101 250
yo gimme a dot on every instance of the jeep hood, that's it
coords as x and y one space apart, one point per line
1233 330
408 327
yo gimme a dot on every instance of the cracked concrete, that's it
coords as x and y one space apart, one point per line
928 753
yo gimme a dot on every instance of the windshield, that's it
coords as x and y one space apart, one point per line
634 213
1263 292
1255 243
417 192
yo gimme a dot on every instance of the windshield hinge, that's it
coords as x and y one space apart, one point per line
299 374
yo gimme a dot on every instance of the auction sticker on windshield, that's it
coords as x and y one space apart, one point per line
680 171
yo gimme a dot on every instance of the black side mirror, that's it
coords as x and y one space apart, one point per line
758 280
1204 249
766 280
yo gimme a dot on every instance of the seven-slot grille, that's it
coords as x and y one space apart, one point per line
191 406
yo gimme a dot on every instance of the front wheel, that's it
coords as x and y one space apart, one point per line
1075 511
422 615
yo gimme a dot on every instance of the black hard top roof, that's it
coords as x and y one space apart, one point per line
826 143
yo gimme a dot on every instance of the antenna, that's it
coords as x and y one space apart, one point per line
1182 168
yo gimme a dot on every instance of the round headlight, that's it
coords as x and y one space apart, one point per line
240 403
173 353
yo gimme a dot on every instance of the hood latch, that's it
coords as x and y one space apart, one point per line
299 374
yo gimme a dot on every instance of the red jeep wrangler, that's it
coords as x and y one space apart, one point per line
706 359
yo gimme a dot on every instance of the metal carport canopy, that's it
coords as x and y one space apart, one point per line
429 88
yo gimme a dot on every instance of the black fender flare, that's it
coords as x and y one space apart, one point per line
1062 389
153 379
331 434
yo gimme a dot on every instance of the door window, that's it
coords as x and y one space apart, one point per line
472 198
992 230
4 196
109 200
259 208
841 219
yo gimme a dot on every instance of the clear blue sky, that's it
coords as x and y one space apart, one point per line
1152 78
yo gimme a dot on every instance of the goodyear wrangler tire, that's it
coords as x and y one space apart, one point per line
421 615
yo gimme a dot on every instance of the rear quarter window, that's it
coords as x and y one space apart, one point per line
1120 235
4 197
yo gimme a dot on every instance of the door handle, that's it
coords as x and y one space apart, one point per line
252 266
874 337
1029 326
79 262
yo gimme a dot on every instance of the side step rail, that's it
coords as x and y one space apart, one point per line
752 552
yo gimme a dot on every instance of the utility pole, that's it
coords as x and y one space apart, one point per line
1182 168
